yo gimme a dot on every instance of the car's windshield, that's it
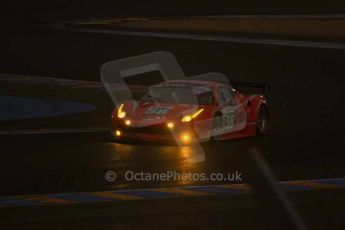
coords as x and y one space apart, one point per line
181 94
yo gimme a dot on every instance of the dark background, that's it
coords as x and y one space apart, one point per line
305 140
176 7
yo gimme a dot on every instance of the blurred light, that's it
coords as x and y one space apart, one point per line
120 112
185 138
170 125
118 133
128 122
188 118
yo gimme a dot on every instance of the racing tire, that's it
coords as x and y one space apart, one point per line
261 121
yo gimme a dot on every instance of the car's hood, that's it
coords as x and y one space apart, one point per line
150 113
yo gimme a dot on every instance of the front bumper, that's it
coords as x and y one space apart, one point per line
183 134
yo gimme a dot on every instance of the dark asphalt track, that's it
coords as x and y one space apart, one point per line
305 139
78 162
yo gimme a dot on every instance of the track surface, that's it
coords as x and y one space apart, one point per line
305 140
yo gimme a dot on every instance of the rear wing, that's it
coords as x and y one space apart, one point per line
221 78
214 77
256 85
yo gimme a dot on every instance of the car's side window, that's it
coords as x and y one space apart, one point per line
225 95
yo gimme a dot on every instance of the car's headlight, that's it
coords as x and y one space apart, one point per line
120 112
188 118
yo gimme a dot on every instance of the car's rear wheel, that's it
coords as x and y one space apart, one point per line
261 121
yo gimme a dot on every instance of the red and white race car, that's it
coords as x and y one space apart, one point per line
191 110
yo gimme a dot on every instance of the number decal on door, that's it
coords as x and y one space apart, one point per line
228 121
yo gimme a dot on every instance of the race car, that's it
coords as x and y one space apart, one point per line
188 111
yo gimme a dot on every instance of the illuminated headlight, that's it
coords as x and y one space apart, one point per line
185 138
128 122
170 125
118 133
188 118
120 112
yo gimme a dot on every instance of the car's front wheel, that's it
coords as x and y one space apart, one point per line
261 121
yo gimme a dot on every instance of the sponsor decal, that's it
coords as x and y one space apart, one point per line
157 111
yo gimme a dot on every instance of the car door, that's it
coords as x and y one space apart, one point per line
234 116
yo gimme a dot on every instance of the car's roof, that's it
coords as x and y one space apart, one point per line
198 82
